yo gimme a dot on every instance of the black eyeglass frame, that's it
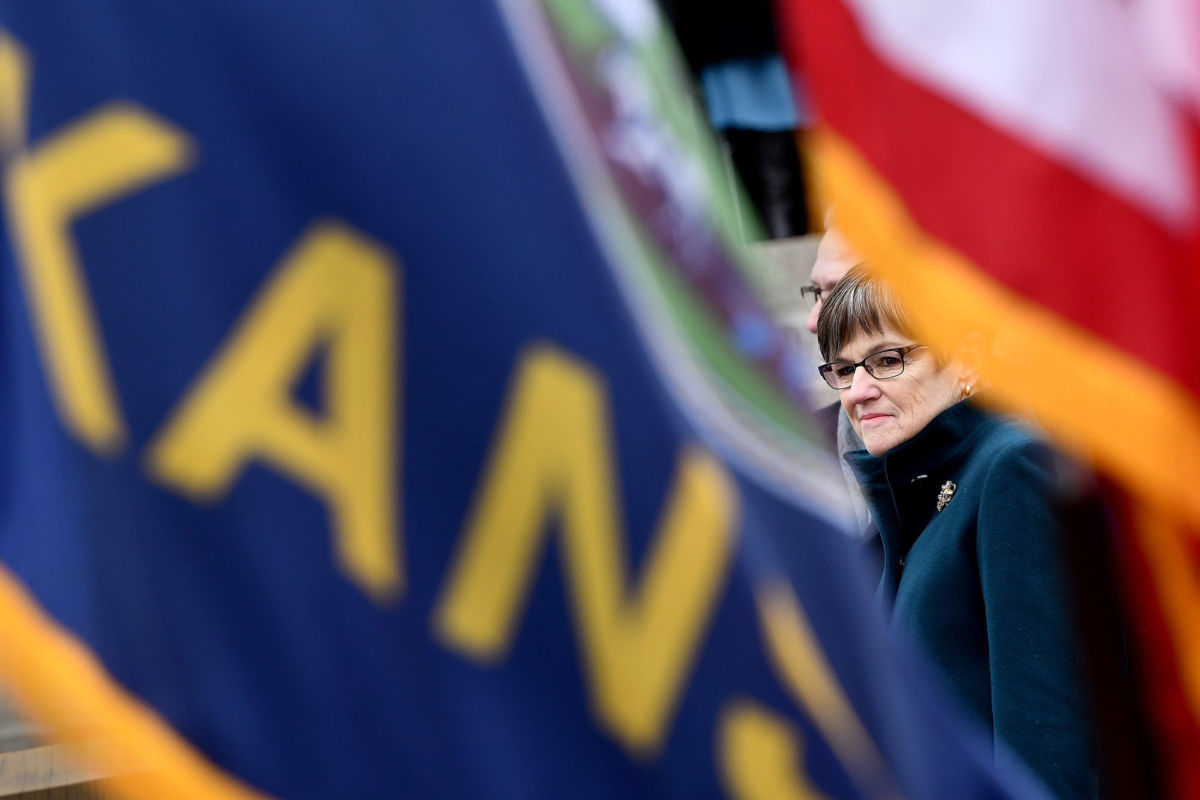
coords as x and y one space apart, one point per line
811 294
825 370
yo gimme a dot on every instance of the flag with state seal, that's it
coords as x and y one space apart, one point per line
389 410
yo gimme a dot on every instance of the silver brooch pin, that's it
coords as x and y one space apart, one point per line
945 494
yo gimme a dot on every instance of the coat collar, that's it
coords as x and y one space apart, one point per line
942 441
902 485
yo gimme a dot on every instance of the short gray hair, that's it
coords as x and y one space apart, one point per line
859 303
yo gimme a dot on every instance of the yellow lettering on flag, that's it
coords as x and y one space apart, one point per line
110 154
336 289
552 455
14 94
761 755
810 679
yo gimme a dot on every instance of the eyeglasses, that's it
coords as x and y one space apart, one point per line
882 365
811 294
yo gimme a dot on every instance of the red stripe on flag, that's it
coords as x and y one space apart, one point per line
1049 233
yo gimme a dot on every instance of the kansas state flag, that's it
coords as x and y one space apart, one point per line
386 412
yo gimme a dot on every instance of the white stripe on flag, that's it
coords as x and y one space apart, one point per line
1169 33
1064 75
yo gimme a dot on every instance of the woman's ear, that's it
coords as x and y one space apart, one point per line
969 356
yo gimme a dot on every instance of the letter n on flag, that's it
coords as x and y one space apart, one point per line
1029 169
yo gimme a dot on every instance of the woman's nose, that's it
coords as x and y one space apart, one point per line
863 386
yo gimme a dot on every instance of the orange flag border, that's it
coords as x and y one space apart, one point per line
1125 417
1090 411
57 680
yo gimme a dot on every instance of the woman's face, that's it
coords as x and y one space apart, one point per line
890 411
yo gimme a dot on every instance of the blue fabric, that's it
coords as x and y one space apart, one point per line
415 125
752 93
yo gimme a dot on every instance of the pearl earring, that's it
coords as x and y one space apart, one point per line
967 390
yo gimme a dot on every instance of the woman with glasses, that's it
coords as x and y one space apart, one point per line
962 500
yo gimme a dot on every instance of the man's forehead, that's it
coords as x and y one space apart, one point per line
835 258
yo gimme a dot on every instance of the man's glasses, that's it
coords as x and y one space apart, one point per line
882 365
811 294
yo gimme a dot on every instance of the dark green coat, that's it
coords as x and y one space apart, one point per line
979 585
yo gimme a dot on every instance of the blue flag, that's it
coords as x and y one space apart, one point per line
388 411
